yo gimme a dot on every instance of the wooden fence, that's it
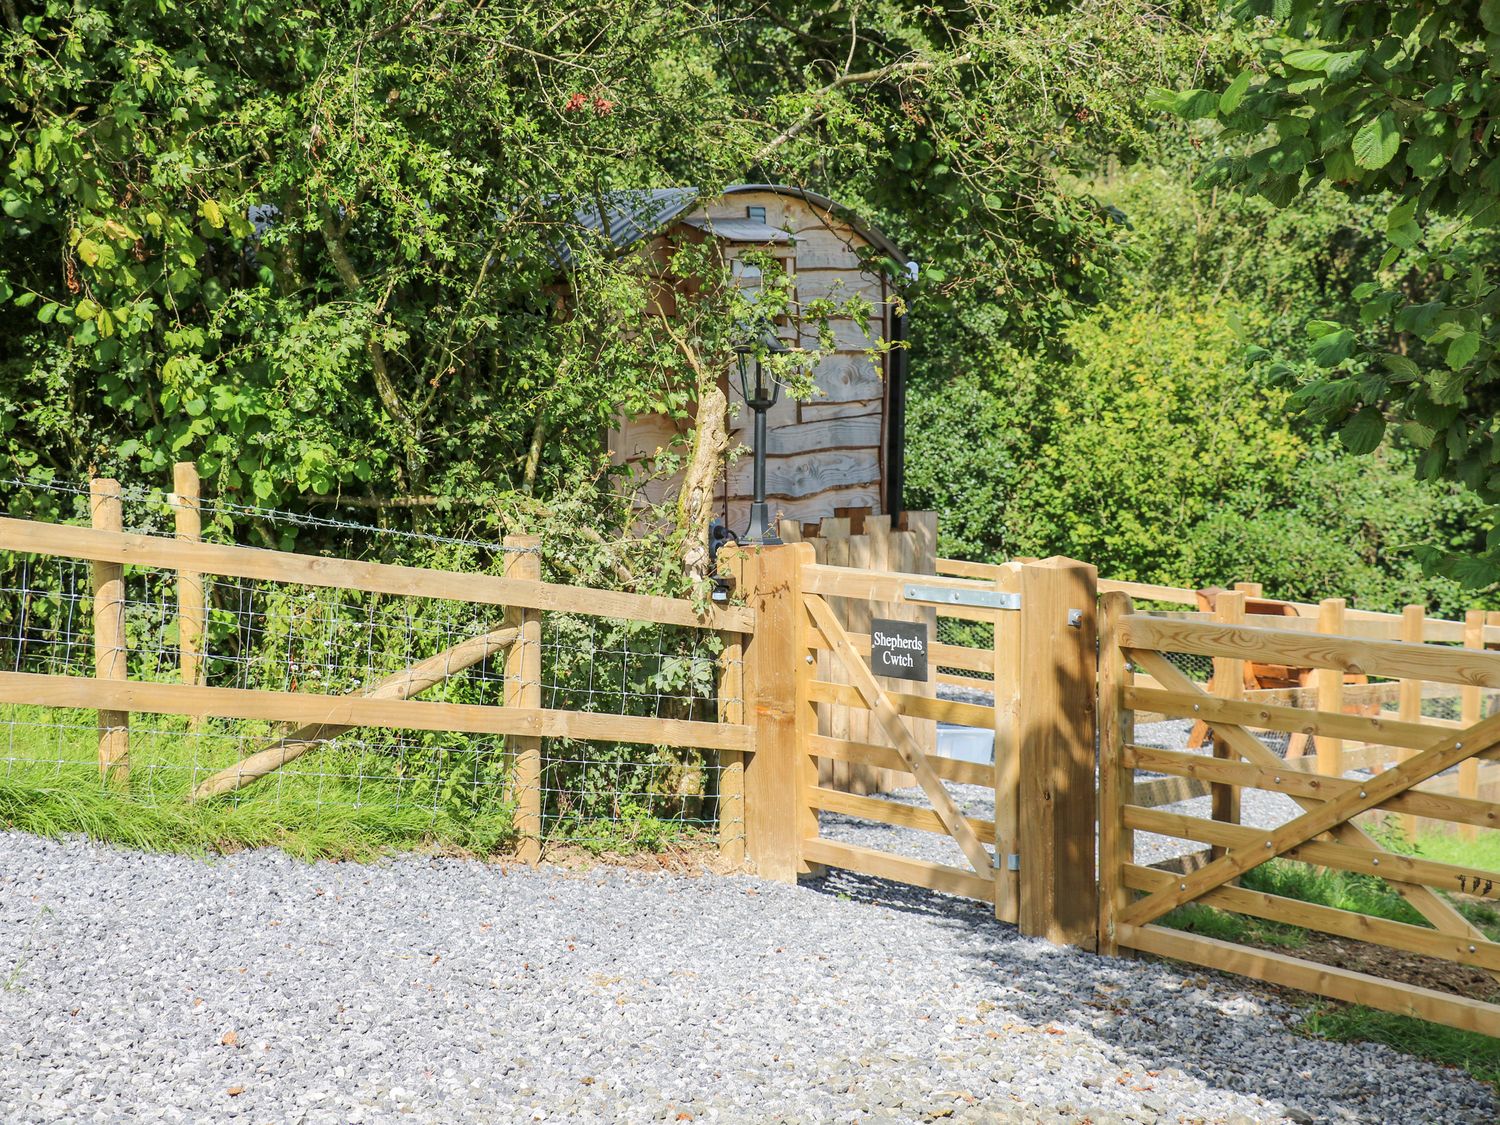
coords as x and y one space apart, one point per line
806 725
1136 676
311 718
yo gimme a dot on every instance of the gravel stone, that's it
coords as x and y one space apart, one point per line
437 990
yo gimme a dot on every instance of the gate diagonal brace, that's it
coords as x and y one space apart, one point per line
890 720
1427 902
1334 814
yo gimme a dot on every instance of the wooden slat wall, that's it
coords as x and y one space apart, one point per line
824 454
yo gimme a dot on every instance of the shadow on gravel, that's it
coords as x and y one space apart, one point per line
1156 1016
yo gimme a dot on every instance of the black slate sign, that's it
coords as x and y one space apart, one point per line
898 649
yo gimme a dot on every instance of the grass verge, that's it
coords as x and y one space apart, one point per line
77 803
357 798
339 802
1478 1055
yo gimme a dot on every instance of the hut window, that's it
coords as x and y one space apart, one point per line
747 277
756 214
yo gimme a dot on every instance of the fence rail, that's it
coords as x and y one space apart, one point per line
536 691
1392 763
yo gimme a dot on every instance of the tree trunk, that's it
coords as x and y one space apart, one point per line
695 504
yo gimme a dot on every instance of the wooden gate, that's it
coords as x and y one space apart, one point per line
1033 861
1333 828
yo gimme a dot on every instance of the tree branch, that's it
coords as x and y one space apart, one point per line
814 113
385 387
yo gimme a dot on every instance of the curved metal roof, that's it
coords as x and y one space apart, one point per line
632 215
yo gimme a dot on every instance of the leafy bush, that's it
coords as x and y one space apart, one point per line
1150 441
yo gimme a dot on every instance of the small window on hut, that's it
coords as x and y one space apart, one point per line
755 214
747 277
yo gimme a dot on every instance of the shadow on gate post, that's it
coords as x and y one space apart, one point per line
778 676
1055 738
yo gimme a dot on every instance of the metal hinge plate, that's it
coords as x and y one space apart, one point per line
947 595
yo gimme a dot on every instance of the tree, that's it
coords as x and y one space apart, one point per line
1394 104
319 249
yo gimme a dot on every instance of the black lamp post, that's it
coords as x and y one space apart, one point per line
761 391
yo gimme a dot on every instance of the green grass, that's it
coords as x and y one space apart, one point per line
332 803
1482 853
1477 1054
337 802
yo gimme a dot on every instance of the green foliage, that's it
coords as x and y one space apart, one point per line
1151 441
1148 427
1393 105
1342 524
1477 1054
318 250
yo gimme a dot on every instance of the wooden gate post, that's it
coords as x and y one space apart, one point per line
106 512
1007 686
523 688
780 772
1116 780
192 610
1056 728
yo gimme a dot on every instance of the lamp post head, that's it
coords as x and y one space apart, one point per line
761 390
758 384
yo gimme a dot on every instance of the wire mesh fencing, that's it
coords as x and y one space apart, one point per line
285 637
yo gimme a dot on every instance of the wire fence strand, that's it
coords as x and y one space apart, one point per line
287 637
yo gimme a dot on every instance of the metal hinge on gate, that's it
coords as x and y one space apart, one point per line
947 595
1012 862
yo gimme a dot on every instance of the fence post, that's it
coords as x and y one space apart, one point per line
106 513
778 673
1056 728
523 688
1007 671
731 811
732 686
1470 706
1116 781
1409 698
1229 683
192 610
1330 682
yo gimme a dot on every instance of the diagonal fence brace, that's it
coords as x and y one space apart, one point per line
1449 752
890 720
1427 902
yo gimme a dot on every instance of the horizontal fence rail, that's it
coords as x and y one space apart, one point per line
94 545
1395 659
311 709
245 674
1372 766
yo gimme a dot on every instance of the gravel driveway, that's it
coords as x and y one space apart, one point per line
254 988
